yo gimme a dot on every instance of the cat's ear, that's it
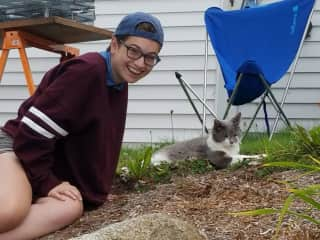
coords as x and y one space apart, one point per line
217 124
236 119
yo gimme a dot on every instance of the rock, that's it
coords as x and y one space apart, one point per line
155 226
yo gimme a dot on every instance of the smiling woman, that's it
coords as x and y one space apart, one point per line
131 42
58 156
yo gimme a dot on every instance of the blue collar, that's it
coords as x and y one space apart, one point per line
109 79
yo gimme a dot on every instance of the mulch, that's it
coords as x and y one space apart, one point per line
205 201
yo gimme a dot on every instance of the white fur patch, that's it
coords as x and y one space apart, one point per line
254 159
159 157
231 150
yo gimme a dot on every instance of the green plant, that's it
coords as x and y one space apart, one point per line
139 164
303 147
161 173
302 144
305 194
256 143
184 168
135 166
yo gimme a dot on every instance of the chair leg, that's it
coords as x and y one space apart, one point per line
275 102
271 97
227 109
191 102
254 116
233 95
282 116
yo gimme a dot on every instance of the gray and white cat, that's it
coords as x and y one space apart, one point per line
221 147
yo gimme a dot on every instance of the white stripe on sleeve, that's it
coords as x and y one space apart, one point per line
48 121
37 128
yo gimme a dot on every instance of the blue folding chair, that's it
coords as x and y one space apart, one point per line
255 47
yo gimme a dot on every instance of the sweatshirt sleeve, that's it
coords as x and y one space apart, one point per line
54 115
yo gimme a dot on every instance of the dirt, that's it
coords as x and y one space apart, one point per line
205 201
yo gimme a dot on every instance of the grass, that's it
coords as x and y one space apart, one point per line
256 143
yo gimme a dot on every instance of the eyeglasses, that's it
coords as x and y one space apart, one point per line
134 53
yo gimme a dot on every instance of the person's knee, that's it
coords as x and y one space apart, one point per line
75 209
71 211
12 214
15 192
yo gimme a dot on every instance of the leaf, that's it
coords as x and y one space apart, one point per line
315 160
307 199
311 189
295 165
315 135
257 212
283 212
305 194
304 216
147 157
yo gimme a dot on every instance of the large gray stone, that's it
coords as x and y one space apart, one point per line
146 227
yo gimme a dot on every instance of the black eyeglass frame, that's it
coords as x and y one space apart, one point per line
136 50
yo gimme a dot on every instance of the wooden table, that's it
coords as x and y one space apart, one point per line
49 34
57 29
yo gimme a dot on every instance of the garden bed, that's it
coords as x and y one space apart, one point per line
205 201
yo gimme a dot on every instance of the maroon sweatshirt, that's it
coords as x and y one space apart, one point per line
71 129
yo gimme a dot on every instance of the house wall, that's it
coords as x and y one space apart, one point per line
158 109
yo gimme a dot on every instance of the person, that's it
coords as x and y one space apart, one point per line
59 155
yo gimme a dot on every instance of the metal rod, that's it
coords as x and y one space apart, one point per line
254 116
172 128
233 95
291 73
205 83
196 95
183 86
275 103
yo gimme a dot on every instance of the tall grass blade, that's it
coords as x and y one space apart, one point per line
257 212
315 160
294 165
304 216
307 199
283 212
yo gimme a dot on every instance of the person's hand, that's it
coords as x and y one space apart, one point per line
65 190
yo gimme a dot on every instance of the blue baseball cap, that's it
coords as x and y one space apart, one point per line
128 26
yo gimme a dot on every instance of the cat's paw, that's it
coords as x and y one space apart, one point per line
236 159
253 159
